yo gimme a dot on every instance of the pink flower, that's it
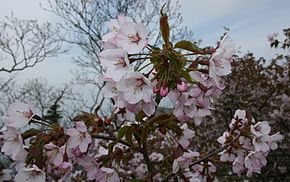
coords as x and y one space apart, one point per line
261 128
260 143
13 142
187 134
5 175
227 156
254 162
64 169
238 165
79 137
115 62
272 142
163 91
185 109
239 119
54 154
135 87
91 167
156 157
110 90
184 161
220 61
222 139
132 37
114 26
18 115
182 87
33 174
108 175
125 115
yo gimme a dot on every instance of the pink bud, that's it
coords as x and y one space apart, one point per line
163 91
182 87
156 89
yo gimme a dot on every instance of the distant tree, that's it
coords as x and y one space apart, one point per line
24 43
262 87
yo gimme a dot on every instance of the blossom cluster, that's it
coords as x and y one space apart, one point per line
52 152
61 154
133 91
247 143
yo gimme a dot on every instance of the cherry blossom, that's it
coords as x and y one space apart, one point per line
79 137
187 134
220 61
13 142
54 154
64 170
115 62
5 175
135 87
260 143
163 91
182 87
252 144
156 157
254 162
91 167
33 174
114 25
239 165
108 175
184 160
132 37
18 115
110 90
261 128
272 142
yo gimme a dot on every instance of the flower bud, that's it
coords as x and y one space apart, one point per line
156 89
163 91
182 87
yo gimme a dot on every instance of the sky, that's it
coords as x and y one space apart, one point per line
249 21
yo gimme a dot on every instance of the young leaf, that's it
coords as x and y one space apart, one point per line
187 45
164 28
29 133
122 131
144 133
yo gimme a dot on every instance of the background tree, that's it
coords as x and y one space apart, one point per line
262 87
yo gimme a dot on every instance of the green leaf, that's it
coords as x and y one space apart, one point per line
30 133
187 45
159 119
139 116
164 28
144 133
111 147
129 134
122 131
186 76
83 117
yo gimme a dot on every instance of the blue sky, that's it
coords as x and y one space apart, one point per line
250 21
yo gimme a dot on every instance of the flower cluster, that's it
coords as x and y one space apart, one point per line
61 150
247 143
100 148
197 172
